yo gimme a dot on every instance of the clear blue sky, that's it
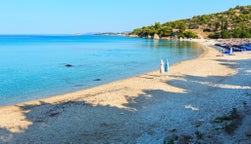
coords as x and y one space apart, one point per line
82 16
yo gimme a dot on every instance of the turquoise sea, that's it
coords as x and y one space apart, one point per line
33 66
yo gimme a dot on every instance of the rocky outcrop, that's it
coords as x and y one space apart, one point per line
133 35
156 37
165 38
149 36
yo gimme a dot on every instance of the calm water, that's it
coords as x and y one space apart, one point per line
33 67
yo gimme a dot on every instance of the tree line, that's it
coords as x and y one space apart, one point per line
234 23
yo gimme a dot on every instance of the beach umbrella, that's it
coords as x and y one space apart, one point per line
231 50
162 69
167 66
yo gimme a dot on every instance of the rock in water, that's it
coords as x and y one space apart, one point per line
68 65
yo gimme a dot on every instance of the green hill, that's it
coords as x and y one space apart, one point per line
234 23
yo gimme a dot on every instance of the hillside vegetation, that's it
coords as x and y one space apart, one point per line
234 23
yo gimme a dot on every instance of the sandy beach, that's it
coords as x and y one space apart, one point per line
181 106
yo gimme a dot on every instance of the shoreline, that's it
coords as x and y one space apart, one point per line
142 109
78 91
71 75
